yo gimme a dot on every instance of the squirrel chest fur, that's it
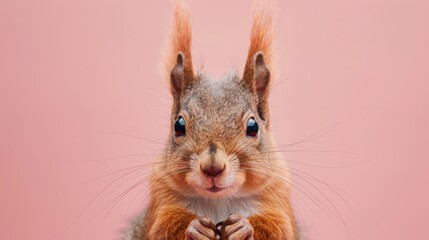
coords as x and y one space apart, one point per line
219 176
218 210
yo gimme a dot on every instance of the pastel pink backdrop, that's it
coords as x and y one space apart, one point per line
82 97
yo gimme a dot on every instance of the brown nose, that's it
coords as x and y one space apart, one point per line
212 170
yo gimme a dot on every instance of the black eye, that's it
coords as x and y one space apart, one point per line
252 128
179 127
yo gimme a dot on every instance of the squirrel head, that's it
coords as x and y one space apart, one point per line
219 145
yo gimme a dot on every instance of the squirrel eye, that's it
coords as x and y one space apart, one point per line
179 127
252 128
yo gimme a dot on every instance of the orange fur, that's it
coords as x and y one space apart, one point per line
276 220
180 39
262 35
217 116
171 223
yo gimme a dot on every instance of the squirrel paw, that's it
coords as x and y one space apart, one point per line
201 228
236 228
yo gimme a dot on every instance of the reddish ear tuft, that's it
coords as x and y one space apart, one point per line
179 49
258 69
261 36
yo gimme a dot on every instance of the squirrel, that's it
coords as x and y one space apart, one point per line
218 177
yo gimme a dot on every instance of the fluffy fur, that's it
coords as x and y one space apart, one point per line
179 40
216 169
262 34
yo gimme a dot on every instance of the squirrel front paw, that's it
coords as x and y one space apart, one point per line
201 228
236 227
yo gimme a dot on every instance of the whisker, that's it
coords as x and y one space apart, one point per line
129 135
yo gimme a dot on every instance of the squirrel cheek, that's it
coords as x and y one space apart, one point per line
239 178
191 178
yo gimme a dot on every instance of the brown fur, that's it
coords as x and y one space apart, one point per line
216 114
262 35
180 40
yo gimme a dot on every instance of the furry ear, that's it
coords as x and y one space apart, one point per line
261 75
177 75
258 70
178 60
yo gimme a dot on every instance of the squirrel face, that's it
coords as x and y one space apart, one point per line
220 143
218 137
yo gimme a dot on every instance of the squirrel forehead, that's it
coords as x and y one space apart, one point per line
216 96
216 109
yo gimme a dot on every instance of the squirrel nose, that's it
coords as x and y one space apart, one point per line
212 171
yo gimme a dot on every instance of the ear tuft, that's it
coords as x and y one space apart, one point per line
177 53
258 69
261 35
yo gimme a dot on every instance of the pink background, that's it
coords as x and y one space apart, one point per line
81 96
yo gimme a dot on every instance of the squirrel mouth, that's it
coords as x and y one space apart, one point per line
214 189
